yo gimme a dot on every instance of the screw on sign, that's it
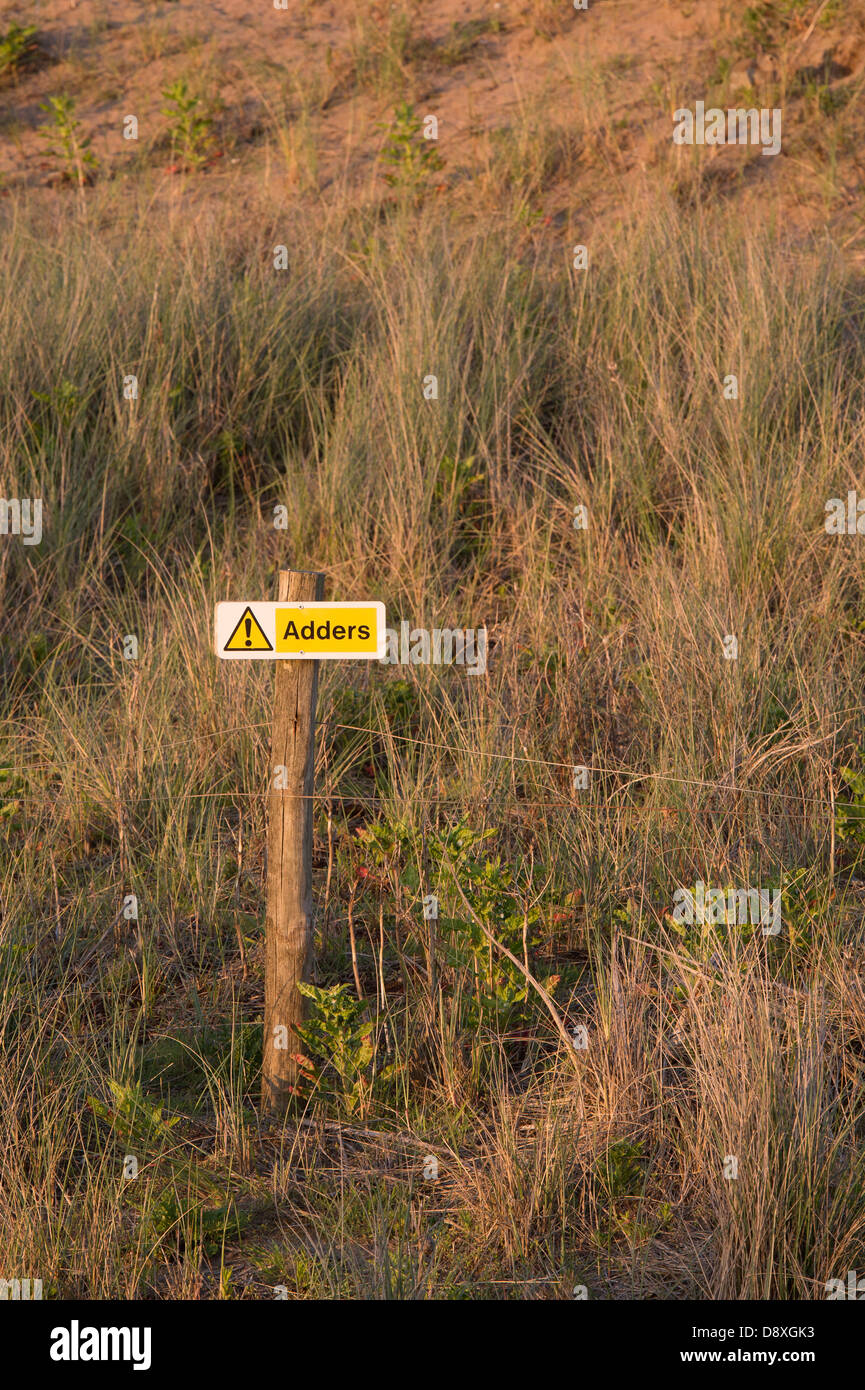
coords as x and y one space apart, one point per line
297 631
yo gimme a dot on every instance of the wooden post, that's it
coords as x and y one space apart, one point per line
289 911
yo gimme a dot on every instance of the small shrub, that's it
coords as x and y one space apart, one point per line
850 814
620 1170
191 126
67 142
341 1042
18 47
409 157
132 1115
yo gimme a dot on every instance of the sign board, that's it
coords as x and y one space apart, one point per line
256 631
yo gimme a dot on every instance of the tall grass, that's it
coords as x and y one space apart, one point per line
555 388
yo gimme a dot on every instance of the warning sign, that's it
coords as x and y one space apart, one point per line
248 635
353 631
339 630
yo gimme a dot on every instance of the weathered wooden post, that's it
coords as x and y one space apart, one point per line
288 903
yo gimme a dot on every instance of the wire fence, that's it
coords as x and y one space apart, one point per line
576 802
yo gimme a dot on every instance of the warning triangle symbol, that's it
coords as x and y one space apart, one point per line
248 635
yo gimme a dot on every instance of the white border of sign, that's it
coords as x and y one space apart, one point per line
229 614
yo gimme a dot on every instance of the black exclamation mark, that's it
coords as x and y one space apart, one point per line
247 623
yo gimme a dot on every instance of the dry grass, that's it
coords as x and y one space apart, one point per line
557 388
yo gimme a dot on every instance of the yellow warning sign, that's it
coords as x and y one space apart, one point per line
306 631
330 630
248 635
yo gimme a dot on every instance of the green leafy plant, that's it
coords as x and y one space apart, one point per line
384 845
342 1047
191 125
409 157
498 993
850 814
622 1224
17 48
770 21
620 1169
12 788
461 494
494 990
774 22
133 1115
66 141
197 1226
66 402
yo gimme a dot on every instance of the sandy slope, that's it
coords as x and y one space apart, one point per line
300 93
